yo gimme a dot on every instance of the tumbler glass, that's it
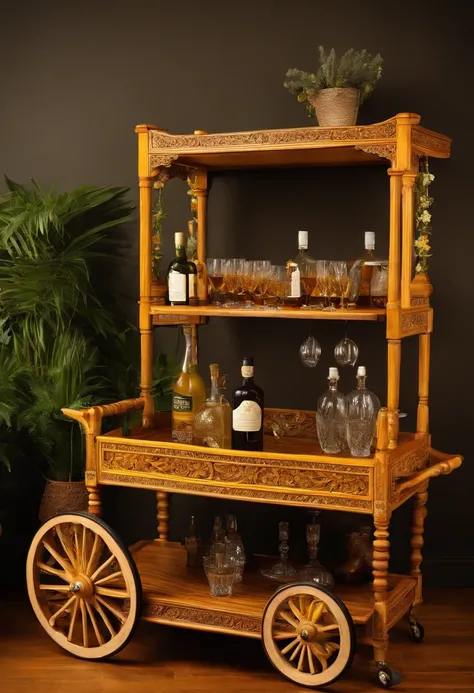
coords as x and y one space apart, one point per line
220 574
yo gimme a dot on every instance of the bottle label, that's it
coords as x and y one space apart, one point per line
192 284
182 403
176 286
295 284
247 371
247 417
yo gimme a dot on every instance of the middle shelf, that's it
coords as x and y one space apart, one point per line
180 314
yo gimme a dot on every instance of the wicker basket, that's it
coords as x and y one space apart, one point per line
62 497
336 106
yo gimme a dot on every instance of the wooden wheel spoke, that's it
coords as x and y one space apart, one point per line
109 578
77 548
73 621
84 548
52 571
296 650
55 588
289 647
321 659
310 660
319 649
95 555
317 612
332 647
295 610
85 634
102 567
112 592
301 659
112 608
65 565
97 632
60 611
288 619
328 627
67 548
105 619
281 635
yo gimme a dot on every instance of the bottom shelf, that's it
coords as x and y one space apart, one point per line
179 596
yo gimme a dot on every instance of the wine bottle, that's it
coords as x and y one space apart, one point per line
189 392
247 411
182 276
307 267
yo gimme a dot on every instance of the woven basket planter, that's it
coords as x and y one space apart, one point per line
336 106
62 497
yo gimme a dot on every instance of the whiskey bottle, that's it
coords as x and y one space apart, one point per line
369 260
189 392
307 267
212 423
182 276
331 417
247 411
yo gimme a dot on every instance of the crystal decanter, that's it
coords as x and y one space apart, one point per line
212 423
283 570
314 571
362 408
331 417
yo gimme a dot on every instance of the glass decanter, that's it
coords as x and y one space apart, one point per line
212 422
217 544
362 407
331 417
283 570
314 571
234 550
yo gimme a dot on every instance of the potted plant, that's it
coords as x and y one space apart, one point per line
53 305
336 90
158 284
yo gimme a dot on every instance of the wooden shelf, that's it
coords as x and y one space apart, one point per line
179 596
290 147
179 314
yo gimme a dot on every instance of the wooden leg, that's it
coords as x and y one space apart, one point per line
393 390
163 515
381 557
417 528
95 504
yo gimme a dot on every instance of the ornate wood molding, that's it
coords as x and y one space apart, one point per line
414 322
165 160
408 464
428 142
420 301
384 151
160 140
203 617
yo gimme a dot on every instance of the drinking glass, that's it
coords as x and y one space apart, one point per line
310 351
346 352
273 285
342 282
220 574
308 282
215 279
261 270
323 283
230 281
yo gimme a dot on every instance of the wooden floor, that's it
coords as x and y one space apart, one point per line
161 659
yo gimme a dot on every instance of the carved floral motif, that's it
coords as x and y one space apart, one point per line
163 140
165 160
409 464
225 472
429 142
354 504
385 151
203 617
420 301
414 322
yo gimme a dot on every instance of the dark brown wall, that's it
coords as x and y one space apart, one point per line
76 78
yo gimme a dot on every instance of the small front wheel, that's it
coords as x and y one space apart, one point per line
308 634
387 676
417 631
83 585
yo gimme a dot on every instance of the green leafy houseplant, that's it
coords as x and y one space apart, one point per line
51 247
357 69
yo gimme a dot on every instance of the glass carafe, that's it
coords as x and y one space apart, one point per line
212 423
331 417
362 407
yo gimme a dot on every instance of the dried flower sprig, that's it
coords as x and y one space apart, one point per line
423 217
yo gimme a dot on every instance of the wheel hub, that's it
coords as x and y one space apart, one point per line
81 586
307 630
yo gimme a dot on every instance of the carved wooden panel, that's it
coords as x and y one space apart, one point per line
202 617
414 322
409 463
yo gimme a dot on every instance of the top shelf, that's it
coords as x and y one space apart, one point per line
391 140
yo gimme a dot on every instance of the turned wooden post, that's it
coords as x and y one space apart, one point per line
393 389
408 222
162 515
417 529
200 191
422 419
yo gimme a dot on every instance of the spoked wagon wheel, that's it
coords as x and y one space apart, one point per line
83 585
308 634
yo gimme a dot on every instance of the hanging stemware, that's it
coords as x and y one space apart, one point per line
346 352
310 351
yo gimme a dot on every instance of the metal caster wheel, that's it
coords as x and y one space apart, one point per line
387 676
417 631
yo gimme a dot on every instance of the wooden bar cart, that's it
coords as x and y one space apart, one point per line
86 586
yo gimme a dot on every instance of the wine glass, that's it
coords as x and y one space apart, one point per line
346 352
310 351
215 279
342 282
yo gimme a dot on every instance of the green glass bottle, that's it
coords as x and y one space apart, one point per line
182 276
